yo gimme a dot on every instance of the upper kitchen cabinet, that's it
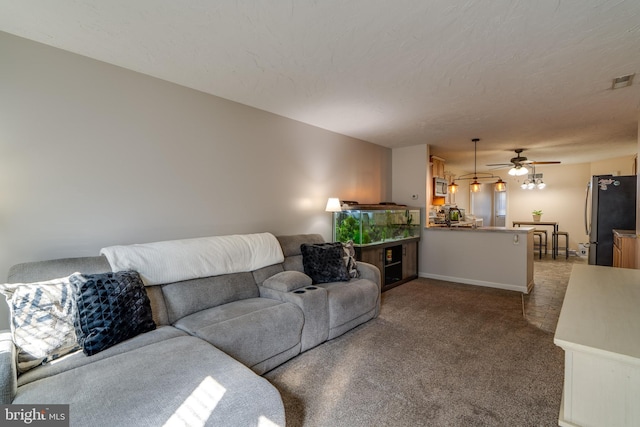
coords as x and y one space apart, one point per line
437 167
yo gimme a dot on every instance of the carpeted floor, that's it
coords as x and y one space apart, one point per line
439 354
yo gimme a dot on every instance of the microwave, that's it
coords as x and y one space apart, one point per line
440 187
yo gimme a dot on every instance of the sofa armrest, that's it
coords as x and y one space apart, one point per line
287 281
8 372
369 271
313 302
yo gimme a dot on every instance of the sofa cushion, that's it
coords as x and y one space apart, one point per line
291 249
109 308
41 321
286 281
324 262
191 296
78 358
251 330
180 381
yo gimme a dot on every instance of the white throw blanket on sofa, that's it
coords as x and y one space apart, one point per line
177 260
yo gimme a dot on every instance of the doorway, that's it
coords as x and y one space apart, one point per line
490 205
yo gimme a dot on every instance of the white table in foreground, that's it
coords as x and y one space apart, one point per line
599 330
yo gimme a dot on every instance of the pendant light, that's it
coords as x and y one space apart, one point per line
475 185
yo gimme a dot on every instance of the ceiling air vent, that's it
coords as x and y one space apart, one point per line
623 81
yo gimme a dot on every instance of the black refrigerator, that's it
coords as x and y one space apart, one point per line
610 204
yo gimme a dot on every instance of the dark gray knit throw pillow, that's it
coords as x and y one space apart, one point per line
109 308
324 262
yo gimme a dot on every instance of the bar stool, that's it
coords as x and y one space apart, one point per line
541 234
539 244
566 242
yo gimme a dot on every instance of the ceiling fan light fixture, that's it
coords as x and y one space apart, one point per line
518 171
540 184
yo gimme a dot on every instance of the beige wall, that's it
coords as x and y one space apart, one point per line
563 199
94 155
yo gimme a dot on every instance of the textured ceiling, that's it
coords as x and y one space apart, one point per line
517 74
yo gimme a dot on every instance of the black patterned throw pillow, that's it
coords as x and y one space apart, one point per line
109 308
324 262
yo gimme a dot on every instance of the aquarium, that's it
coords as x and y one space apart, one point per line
372 224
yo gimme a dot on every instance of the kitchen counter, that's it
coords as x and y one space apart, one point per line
498 257
466 227
625 233
624 248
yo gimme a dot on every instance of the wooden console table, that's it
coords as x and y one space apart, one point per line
599 331
397 260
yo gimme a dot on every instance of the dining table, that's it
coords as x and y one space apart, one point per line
554 234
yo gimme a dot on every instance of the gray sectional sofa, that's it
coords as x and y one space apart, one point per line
214 337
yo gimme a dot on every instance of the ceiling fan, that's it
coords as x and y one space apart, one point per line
518 163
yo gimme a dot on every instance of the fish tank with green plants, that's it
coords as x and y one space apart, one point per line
372 224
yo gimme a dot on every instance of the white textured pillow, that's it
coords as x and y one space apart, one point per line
41 320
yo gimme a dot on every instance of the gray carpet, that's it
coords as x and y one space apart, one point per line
439 354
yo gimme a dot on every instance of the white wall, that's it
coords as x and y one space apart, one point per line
93 155
409 178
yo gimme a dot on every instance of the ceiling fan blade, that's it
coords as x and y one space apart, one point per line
499 164
545 163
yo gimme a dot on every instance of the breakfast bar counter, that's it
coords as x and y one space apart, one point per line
498 257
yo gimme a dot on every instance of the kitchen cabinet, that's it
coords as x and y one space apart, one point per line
624 248
397 261
437 167
410 260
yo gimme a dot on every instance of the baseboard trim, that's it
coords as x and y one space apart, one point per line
466 281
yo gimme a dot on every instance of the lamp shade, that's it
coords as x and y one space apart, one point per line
333 205
453 188
475 186
500 185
